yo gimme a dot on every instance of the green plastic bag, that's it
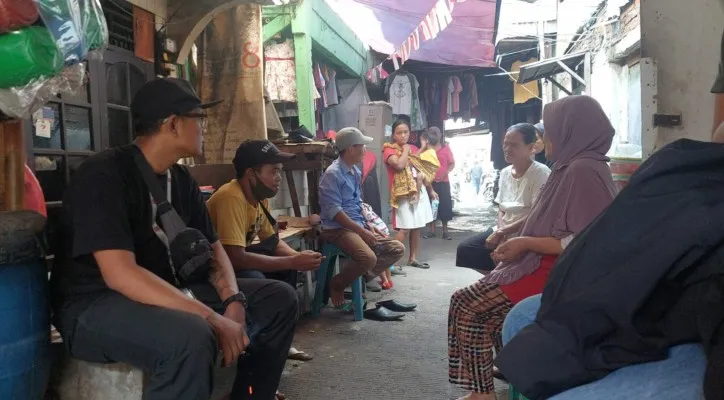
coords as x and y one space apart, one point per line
27 54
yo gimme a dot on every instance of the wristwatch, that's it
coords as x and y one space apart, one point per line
236 298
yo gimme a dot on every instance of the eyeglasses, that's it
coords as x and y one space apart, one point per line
200 117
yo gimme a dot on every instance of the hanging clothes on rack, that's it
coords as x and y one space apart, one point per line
331 90
402 91
320 84
280 77
457 88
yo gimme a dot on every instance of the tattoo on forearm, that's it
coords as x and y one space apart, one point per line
217 278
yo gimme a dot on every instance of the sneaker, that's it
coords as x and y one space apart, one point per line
397 270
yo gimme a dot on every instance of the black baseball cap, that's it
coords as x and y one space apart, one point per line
258 152
162 97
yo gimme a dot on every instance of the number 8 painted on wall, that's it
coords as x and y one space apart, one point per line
250 59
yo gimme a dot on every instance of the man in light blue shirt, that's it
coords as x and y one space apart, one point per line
343 223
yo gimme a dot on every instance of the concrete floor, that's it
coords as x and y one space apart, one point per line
371 360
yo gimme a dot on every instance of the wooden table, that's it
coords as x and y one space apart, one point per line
313 157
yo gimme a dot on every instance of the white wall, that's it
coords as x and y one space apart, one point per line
683 38
572 14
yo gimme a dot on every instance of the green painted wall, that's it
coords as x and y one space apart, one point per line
316 28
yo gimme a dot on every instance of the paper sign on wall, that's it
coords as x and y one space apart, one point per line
44 119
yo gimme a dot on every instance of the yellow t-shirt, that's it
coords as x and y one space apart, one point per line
237 222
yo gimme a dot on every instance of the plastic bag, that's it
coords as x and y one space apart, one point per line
16 14
28 54
78 27
435 205
21 102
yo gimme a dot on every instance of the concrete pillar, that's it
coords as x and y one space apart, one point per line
231 69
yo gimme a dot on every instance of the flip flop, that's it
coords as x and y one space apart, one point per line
280 396
418 265
346 307
298 355
447 237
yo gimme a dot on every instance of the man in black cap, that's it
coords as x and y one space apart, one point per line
238 210
117 295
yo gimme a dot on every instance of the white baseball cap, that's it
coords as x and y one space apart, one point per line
348 137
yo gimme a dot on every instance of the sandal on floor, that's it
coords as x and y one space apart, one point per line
447 236
417 264
280 396
346 307
428 235
298 355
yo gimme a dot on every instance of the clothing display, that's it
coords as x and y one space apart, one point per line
665 269
280 77
330 76
402 89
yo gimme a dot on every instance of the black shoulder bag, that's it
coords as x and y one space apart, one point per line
189 252
267 246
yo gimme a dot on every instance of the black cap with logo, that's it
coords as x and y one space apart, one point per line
258 152
162 97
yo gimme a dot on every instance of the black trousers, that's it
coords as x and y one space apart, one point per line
472 253
179 350
445 209
289 276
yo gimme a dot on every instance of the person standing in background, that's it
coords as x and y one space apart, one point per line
441 184
476 176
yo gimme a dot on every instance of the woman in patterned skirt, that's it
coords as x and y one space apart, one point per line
577 138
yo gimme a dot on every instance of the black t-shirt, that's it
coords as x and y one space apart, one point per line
107 206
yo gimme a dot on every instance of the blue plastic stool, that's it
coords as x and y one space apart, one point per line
324 275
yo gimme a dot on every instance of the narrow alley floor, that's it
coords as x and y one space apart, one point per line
371 360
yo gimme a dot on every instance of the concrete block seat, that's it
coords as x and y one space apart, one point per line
73 379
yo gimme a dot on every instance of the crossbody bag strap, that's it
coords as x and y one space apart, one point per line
271 219
171 221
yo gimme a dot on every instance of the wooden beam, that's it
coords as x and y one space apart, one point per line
12 166
276 25
303 66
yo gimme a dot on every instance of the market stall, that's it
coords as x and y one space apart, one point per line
43 44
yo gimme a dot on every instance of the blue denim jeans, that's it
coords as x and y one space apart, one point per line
679 377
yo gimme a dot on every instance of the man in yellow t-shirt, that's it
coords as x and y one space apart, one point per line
237 211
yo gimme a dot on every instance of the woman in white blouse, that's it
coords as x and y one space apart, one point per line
519 185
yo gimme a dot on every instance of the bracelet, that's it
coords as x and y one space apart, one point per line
236 298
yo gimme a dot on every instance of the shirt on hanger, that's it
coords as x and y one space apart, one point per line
400 94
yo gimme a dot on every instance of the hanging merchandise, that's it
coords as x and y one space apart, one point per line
16 14
402 91
439 17
280 76
43 61
28 53
78 26
332 94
